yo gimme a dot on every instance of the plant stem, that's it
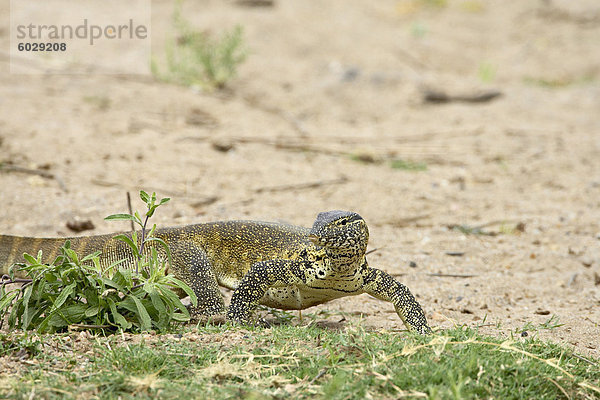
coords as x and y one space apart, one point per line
142 244
7 281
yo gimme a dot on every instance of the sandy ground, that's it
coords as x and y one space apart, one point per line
326 83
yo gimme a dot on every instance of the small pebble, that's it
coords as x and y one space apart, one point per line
587 261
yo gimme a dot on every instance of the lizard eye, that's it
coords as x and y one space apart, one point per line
343 222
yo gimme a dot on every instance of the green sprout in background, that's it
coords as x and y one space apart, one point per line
194 58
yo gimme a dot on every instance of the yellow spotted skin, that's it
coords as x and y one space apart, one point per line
278 265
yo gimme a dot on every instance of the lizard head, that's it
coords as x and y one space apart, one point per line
341 231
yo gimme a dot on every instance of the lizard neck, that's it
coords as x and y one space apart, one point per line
348 259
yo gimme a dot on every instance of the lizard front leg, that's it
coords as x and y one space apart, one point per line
382 286
262 276
192 265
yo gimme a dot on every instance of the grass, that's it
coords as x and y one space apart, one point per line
394 163
408 165
299 362
487 72
560 82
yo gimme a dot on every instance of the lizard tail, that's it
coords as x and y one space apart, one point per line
13 247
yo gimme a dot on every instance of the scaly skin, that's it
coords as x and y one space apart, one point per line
281 266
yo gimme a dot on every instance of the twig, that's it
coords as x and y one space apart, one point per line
558 14
564 392
295 123
401 222
205 202
307 185
455 253
452 275
86 326
130 211
436 96
255 3
319 375
372 251
584 359
485 325
287 145
471 230
43 174
413 62
300 144
168 192
5 280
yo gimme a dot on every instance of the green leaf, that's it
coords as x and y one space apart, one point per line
118 281
164 245
151 231
121 217
92 311
117 317
114 282
182 285
127 275
72 255
164 201
113 266
163 315
130 243
62 297
158 303
15 312
30 259
27 317
40 290
92 294
143 316
71 314
175 301
183 316
149 287
7 300
144 196
91 256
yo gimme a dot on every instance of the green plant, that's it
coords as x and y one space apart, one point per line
82 293
487 72
147 237
23 345
196 59
408 165
552 323
434 3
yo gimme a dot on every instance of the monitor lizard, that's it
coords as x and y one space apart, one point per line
278 265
